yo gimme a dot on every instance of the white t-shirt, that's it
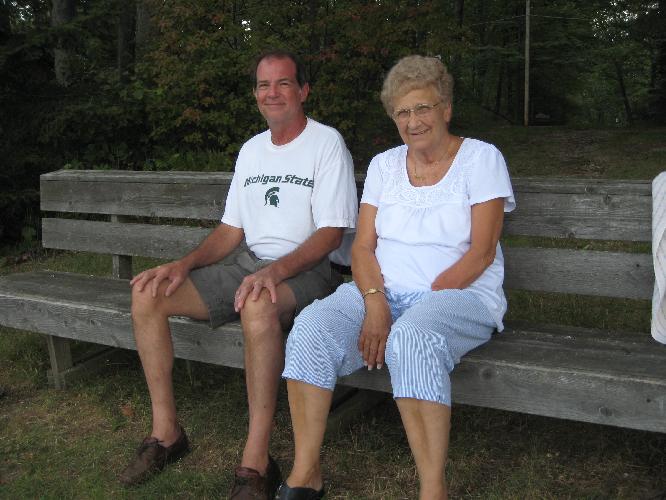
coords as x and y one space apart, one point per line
280 195
422 231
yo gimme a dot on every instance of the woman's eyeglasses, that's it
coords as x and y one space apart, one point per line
420 111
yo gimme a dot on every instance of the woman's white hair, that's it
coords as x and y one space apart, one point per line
416 72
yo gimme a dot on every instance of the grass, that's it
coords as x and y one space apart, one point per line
558 151
72 444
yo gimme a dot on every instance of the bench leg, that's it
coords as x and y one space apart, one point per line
61 359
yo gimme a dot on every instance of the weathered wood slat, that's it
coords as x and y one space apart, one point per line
584 272
200 196
573 185
608 274
138 176
594 216
527 184
587 209
147 240
613 383
641 354
98 310
561 372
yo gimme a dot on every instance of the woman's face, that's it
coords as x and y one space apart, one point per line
423 130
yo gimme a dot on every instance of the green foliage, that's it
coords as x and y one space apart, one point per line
183 98
195 82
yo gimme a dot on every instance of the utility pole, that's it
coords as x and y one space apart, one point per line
526 100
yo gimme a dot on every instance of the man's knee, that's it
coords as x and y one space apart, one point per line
184 301
143 303
259 316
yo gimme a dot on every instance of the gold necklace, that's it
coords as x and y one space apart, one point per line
435 163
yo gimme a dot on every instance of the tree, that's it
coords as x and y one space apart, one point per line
126 39
657 89
62 13
5 25
145 26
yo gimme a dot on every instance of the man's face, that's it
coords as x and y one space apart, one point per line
279 97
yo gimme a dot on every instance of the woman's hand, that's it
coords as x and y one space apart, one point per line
375 330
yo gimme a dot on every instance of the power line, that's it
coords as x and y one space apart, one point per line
564 17
498 20
522 16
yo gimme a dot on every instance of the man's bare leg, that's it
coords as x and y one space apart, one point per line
263 324
150 317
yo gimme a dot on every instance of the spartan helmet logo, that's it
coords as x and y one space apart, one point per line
271 197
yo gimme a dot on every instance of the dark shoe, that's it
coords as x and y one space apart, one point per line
288 493
250 485
151 457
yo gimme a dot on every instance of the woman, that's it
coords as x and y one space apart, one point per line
427 287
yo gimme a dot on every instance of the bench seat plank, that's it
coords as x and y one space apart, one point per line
97 310
554 371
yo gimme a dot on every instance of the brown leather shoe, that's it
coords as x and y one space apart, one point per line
250 485
151 457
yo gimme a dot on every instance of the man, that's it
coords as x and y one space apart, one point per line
291 198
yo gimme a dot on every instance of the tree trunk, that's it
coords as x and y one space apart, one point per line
657 91
5 25
63 12
40 13
126 40
459 11
145 27
498 91
480 61
623 91
313 9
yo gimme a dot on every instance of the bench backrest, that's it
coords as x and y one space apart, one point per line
136 204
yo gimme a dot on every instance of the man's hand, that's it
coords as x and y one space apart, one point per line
251 286
176 272
375 331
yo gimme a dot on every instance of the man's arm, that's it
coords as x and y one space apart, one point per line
217 245
306 256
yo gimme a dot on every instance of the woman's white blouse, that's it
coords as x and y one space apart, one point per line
422 231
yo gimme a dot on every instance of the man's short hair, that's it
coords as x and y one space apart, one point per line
279 54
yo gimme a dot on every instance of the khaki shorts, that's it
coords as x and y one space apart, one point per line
217 283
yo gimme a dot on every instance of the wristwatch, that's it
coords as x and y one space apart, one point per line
370 291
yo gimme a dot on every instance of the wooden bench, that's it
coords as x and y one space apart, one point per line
596 376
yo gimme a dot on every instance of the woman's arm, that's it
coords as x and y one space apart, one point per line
367 275
487 219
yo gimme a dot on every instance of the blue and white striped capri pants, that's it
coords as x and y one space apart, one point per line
430 332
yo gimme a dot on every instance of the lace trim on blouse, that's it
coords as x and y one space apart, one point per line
398 189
